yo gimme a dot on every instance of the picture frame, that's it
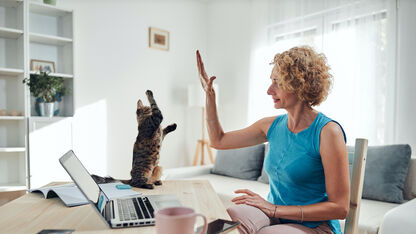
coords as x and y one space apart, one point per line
42 66
158 39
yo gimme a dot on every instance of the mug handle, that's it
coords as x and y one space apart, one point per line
204 230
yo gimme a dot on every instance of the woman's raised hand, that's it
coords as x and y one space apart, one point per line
203 77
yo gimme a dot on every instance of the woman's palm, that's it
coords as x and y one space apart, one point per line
203 77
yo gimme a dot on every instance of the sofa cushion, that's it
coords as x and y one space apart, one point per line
410 185
244 163
371 215
385 172
264 178
400 219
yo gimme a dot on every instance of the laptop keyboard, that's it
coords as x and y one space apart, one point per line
135 208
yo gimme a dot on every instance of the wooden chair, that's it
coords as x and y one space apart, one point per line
358 168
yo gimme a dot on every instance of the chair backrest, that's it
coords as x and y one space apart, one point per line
358 168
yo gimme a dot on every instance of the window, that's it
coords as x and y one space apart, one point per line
359 42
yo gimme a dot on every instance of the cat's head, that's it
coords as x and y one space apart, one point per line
142 111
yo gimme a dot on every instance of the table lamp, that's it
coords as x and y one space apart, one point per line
196 98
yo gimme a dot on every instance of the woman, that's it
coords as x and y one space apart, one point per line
307 161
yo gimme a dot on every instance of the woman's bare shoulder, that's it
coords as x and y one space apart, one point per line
265 123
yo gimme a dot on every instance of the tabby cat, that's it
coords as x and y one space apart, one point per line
145 172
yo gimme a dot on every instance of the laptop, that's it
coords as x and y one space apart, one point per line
120 212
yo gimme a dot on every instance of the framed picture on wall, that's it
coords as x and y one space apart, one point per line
42 66
158 38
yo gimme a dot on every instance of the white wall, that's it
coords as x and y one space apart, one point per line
406 82
114 67
228 58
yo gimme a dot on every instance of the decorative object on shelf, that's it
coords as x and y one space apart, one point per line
15 113
196 97
3 112
158 39
46 89
42 66
50 2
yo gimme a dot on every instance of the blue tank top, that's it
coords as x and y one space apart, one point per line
294 166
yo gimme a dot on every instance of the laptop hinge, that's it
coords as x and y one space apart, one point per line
108 211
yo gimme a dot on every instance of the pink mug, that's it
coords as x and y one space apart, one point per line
177 220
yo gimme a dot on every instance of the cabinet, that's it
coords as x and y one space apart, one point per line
33 31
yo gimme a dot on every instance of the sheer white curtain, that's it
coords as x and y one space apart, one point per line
358 38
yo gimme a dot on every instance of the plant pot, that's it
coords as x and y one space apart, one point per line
46 109
50 2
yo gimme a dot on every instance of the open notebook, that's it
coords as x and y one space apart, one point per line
72 196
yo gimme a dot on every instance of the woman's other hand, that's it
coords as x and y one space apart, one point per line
253 199
203 77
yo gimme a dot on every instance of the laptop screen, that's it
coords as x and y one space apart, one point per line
82 178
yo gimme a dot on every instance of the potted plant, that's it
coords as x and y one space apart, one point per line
47 90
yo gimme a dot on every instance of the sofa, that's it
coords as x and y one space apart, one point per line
389 191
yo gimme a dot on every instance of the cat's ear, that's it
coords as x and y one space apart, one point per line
139 104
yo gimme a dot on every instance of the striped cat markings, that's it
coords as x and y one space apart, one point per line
145 172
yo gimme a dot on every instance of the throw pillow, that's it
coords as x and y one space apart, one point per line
264 178
385 172
244 163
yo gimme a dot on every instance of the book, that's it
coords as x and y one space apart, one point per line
71 196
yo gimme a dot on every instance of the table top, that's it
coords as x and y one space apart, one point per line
32 213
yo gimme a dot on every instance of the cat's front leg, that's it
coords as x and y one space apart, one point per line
169 128
151 99
157 116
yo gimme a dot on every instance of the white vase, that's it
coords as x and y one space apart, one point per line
46 109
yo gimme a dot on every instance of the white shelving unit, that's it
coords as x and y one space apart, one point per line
13 130
12 117
32 30
12 149
11 72
10 33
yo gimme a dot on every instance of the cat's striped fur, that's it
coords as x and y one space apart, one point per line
145 172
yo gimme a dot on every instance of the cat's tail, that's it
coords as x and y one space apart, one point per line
103 180
125 181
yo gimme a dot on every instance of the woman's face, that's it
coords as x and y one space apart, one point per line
281 98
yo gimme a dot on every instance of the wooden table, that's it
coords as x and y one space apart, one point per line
31 213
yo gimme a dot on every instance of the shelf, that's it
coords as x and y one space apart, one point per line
12 149
10 71
10 33
49 40
45 9
67 76
10 3
12 117
43 118
12 187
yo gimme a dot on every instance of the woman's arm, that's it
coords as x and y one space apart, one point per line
252 135
335 162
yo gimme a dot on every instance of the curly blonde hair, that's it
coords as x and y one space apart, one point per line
304 72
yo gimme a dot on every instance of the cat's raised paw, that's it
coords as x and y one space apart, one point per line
159 182
149 93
